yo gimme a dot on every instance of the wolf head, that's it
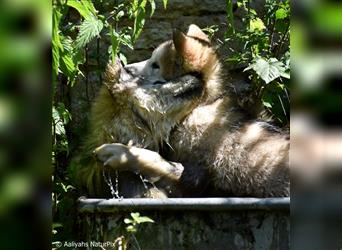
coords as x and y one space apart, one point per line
147 112
190 53
164 89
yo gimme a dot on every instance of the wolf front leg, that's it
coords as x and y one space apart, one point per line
146 162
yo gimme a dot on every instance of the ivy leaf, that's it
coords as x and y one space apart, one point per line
268 70
89 29
281 14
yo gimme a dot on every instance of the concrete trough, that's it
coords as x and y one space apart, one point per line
187 223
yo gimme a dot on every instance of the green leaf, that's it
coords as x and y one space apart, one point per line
139 22
268 99
89 29
286 59
144 219
126 40
123 58
230 18
56 41
59 126
141 219
64 114
268 70
60 116
266 104
281 14
67 65
165 3
285 75
76 55
131 229
153 7
135 4
115 43
135 216
56 225
120 14
67 43
256 25
128 221
89 5
84 7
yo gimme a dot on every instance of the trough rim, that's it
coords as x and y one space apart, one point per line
91 205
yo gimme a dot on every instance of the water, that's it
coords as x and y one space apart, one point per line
114 189
108 179
144 181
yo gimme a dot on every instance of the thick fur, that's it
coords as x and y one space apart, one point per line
133 112
216 149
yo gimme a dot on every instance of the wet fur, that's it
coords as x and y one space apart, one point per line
132 112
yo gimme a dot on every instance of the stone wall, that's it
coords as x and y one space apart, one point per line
179 14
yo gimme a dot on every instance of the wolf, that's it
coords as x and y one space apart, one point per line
199 143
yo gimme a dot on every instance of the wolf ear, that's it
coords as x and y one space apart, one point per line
195 31
179 39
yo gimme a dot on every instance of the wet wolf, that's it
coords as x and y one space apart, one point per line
174 122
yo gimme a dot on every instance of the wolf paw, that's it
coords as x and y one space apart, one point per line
116 156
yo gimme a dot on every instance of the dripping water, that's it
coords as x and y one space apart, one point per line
144 181
114 190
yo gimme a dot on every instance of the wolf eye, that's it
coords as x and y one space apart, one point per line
155 65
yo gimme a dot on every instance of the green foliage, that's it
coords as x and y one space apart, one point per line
268 69
60 117
132 226
265 52
136 219
89 29
211 30
84 7
56 42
